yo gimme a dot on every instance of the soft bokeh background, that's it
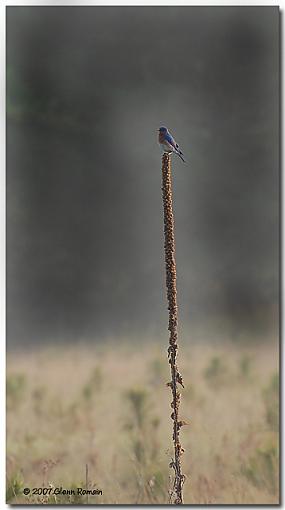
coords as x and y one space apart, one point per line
87 89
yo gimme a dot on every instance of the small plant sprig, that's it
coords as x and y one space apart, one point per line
176 378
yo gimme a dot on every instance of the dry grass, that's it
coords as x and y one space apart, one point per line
108 407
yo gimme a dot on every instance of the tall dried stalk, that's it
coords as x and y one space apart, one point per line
176 378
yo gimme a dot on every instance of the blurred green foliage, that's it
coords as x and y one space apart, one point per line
93 385
143 429
14 487
262 468
216 373
39 399
15 389
245 367
158 371
271 400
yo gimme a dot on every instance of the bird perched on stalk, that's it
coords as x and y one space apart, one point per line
168 144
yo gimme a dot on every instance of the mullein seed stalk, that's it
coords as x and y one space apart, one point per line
176 378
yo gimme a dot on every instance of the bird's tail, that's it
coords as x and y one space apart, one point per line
181 155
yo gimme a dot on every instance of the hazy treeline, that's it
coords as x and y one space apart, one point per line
87 88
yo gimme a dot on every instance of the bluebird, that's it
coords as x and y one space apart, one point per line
168 144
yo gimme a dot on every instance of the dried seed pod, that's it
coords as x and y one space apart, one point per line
182 423
179 379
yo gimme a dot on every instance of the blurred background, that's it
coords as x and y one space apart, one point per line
87 89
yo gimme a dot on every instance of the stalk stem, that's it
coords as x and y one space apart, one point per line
170 266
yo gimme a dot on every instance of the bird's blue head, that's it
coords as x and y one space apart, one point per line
162 130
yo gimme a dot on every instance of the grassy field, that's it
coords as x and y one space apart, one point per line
109 407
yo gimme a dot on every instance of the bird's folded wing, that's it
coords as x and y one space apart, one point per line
171 141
